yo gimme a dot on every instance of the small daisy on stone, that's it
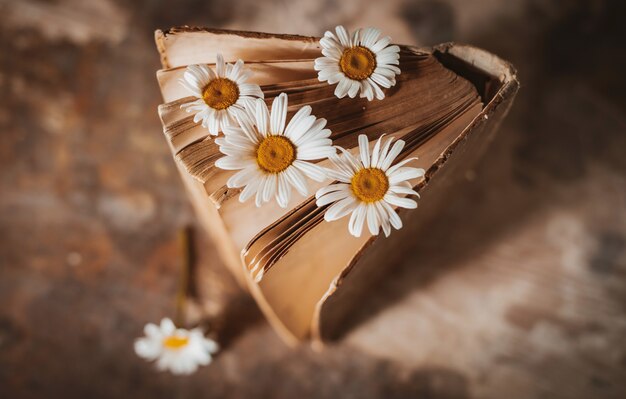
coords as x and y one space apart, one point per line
270 157
218 93
369 186
175 349
361 63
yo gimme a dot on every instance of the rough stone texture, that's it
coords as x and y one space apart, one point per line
518 292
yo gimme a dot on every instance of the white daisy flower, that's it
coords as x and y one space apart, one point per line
218 93
361 63
175 349
273 158
368 187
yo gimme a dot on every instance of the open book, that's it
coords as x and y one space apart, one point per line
306 273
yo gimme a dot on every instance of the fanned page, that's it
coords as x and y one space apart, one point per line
289 257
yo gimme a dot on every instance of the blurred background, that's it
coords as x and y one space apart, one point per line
518 290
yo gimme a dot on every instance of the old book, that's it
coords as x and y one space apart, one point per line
306 274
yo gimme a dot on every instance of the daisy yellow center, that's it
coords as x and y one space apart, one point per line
175 342
220 93
275 154
369 184
358 62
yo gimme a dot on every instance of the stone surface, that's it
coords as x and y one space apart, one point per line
519 291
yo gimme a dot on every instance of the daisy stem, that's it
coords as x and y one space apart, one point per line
185 247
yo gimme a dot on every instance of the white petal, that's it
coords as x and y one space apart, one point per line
384 152
247 125
192 88
331 35
314 136
385 72
319 139
244 76
332 188
318 144
372 219
249 89
402 190
325 62
391 50
391 156
148 349
201 357
229 117
342 88
328 72
313 153
342 170
279 114
214 125
354 88
233 163
399 201
283 194
195 76
335 77
328 42
259 195
400 164
239 141
394 218
205 73
350 160
332 197
244 176
312 171
378 93
152 331
297 180
246 105
196 105
354 41
167 326
376 151
339 175
235 71
366 90
370 36
383 218
364 150
340 209
381 80
388 62
270 187
405 173
392 68
381 44
300 123
210 345
233 151
262 117
204 114
334 53
342 34
355 225
220 68
165 362
316 131
250 189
